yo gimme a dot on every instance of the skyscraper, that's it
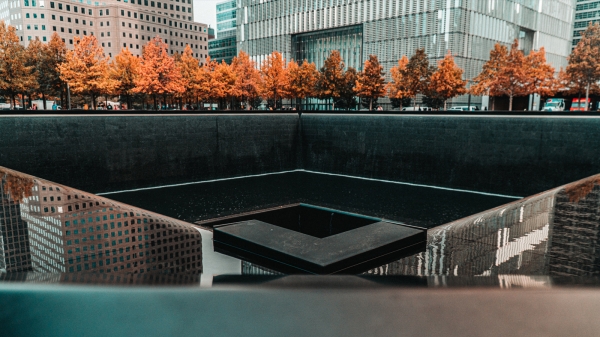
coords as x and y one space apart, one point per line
303 29
117 24
586 12
224 48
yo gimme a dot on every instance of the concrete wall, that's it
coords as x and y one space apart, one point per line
107 153
511 155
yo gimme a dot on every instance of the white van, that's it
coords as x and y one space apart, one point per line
464 108
412 108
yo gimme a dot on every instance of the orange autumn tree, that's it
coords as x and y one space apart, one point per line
331 78
35 59
123 72
16 76
512 78
347 99
370 84
446 81
223 85
484 82
85 69
48 57
302 79
274 79
398 88
582 71
203 80
418 73
540 74
247 80
188 66
159 75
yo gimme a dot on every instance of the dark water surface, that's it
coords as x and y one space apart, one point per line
414 205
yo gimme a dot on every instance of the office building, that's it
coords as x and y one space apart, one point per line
224 47
586 12
303 29
117 24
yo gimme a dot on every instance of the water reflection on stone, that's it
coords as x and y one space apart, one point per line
51 228
553 233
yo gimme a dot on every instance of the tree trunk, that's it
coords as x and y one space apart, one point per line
445 105
510 101
155 106
587 96
44 100
14 101
370 104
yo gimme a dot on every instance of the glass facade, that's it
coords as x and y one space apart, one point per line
586 12
316 46
390 29
224 47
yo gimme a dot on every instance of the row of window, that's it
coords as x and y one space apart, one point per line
75 8
60 18
34 16
157 4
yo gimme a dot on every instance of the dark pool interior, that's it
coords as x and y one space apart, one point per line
419 206
307 219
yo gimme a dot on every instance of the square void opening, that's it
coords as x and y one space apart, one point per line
311 220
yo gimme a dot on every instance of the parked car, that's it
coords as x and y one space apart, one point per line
464 108
418 108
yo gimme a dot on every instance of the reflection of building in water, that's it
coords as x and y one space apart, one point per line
103 278
576 234
249 268
509 240
14 243
71 231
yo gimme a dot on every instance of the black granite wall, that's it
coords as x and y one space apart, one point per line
510 155
107 153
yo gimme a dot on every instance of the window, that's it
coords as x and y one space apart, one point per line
26 15
60 6
70 41
61 18
77 21
43 27
51 4
69 8
54 28
42 16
